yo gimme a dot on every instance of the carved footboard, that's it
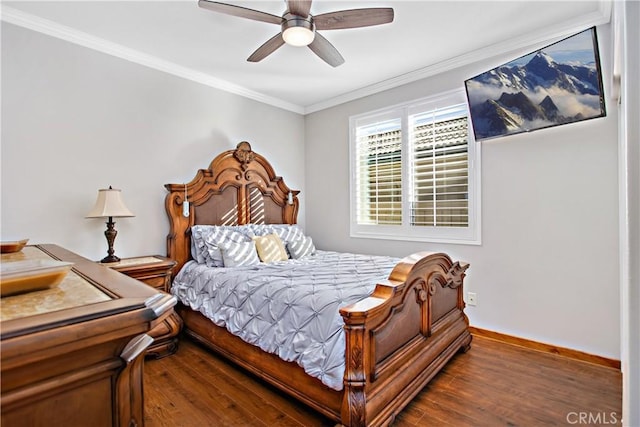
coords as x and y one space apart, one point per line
401 336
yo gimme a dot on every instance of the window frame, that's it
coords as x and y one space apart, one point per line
470 235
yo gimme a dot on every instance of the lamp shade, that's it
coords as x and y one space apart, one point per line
109 204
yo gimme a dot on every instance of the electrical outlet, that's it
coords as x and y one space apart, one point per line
472 298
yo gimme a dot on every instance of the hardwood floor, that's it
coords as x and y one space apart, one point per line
494 384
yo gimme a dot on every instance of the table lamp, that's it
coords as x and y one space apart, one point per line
109 205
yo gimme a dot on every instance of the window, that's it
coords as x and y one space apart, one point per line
415 172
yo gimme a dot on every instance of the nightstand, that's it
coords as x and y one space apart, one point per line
155 271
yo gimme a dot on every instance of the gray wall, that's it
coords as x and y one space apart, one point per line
547 268
75 120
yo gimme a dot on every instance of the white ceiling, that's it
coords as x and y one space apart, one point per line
426 37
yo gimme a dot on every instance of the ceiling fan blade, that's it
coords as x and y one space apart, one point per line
239 11
353 18
326 51
267 48
299 7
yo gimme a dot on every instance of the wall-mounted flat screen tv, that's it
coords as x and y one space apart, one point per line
558 84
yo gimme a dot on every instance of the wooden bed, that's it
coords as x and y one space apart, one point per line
396 340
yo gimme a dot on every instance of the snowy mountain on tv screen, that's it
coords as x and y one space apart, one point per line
535 93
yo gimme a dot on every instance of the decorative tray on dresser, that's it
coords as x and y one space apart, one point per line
73 354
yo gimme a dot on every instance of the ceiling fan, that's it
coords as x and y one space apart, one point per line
298 26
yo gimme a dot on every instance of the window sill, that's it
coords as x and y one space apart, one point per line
475 241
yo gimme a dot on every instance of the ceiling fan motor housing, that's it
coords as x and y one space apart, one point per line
298 30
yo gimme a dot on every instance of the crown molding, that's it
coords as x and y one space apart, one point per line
53 29
528 41
525 43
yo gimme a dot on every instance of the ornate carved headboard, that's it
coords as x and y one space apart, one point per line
239 187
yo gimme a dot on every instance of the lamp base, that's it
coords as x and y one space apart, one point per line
110 234
110 258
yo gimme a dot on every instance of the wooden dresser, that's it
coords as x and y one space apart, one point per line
73 355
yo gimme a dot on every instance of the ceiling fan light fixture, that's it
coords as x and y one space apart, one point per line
298 36
298 31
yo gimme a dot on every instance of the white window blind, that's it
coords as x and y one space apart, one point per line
415 173
379 179
439 168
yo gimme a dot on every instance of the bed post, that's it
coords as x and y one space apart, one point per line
354 398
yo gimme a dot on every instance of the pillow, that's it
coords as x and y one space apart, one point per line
253 230
270 248
219 238
196 253
206 241
246 229
301 248
198 248
240 254
288 233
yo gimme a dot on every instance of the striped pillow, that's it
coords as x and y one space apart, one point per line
217 237
240 254
286 232
301 248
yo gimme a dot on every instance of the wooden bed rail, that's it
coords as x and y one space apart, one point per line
413 323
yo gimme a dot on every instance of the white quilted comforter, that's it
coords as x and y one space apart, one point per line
289 308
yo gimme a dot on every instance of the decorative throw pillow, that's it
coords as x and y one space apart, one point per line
288 233
240 254
301 248
208 239
270 248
